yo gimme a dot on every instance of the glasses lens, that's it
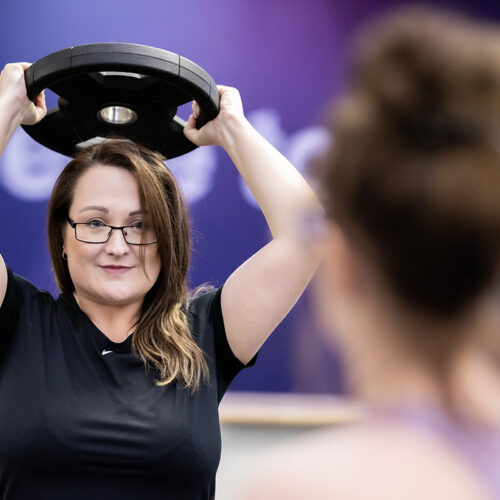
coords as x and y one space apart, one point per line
139 234
92 232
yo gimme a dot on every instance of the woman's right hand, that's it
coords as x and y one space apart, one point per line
13 94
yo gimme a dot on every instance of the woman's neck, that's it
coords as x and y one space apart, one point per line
117 322
387 372
477 385
392 379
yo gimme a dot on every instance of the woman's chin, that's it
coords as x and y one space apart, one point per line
114 297
120 299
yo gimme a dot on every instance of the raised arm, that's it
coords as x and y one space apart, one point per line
259 294
15 108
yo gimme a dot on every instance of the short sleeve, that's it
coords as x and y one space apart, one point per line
209 323
9 311
228 364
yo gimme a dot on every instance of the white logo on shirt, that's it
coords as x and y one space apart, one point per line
105 352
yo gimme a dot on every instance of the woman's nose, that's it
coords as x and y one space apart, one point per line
116 243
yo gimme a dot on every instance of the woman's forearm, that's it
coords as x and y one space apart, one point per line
280 190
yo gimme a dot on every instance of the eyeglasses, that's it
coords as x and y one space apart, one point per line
96 231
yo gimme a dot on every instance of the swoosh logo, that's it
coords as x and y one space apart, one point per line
105 352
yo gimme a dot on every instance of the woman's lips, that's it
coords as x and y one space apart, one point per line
115 269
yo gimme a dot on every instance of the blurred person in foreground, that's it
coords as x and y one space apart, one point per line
409 285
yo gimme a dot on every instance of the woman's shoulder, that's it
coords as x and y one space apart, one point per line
22 308
25 287
203 301
367 461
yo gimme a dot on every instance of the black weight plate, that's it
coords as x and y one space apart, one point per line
150 81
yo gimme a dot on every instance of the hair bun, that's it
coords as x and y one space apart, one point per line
432 75
413 174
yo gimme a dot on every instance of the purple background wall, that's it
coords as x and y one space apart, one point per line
285 56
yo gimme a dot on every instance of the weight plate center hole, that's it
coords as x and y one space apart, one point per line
117 115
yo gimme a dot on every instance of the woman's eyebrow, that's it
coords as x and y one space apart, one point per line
94 207
106 211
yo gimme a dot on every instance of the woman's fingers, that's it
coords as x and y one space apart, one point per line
190 130
40 101
36 111
25 65
196 110
213 131
13 89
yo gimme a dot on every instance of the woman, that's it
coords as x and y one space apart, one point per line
111 391
408 288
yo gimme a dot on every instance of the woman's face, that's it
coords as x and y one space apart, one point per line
109 273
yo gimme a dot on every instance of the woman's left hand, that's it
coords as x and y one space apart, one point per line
214 132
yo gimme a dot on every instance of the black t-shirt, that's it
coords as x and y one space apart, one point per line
81 418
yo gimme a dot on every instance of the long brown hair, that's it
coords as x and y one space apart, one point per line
161 337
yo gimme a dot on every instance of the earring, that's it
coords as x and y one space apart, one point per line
64 255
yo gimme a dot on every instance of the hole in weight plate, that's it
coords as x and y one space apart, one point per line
117 115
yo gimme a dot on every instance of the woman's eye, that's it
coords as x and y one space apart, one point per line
95 224
138 225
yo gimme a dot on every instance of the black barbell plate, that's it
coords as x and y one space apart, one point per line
61 133
47 69
177 77
74 87
81 57
77 87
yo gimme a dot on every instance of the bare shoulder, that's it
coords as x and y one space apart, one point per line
3 280
363 462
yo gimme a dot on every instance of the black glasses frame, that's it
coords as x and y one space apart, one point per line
121 228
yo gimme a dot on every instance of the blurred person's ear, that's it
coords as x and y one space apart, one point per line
342 264
338 285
